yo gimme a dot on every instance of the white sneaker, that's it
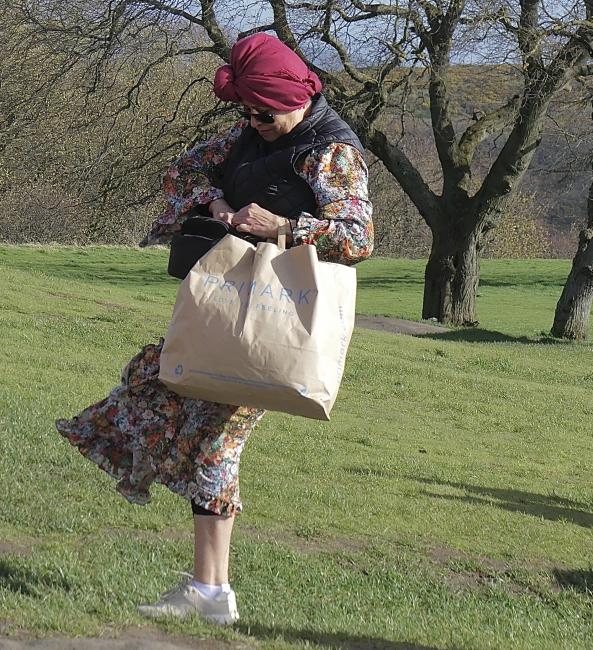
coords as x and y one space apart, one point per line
186 600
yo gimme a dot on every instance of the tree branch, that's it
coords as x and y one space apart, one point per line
484 127
173 11
528 36
398 164
221 45
285 34
514 158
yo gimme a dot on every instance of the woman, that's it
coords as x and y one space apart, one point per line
290 157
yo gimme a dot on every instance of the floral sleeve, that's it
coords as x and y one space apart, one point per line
342 229
188 183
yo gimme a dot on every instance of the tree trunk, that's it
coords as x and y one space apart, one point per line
451 280
571 319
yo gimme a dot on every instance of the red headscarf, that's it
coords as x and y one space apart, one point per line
265 72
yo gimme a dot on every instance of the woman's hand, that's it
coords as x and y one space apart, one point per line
221 210
257 221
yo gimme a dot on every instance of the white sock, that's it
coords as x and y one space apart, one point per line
211 591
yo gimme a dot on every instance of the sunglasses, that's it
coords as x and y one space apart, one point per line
263 118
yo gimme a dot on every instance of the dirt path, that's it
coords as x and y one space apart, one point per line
141 639
397 325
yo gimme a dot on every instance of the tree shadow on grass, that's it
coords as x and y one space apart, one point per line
537 282
530 503
136 274
578 580
390 281
394 280
479 335
332 639
118 276
20 579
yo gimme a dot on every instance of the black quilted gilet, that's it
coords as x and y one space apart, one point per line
259 172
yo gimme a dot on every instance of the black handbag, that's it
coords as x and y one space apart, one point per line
198 235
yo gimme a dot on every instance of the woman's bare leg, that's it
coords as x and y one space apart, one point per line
212 543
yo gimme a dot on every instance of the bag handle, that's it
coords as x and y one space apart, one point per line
283 230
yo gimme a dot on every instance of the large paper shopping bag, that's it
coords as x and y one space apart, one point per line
261 326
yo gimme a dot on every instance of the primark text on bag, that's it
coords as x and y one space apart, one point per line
261 326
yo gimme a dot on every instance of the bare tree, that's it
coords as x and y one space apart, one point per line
371 57
548 46
550 50
93 128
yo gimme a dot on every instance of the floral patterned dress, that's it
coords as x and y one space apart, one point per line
142 432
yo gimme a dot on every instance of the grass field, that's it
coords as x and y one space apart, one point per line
448 504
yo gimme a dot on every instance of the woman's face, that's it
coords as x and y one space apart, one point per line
284 121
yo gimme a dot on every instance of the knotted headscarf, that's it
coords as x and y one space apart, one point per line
265 72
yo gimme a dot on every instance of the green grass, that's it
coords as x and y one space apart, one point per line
448 504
